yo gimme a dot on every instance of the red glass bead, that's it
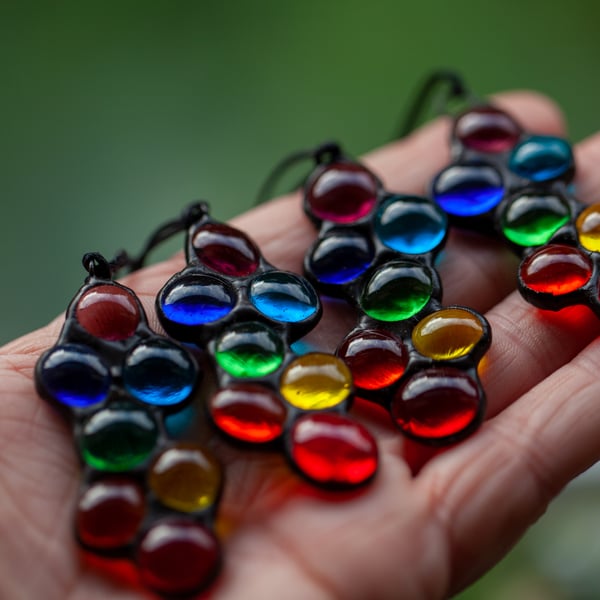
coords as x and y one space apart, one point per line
556 270
226 250
109 312
487 129
436 403
248 412
110 512
342 193
376 358
333 449
178 557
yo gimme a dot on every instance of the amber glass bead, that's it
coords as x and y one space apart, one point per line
248 412
343 192
448 333
376 359
436 403
333 449
225 249
316 381
178 557
588 228
109 312
487 129
110 512
186 477
556 270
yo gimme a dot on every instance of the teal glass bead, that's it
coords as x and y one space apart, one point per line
283 297
410 224
397 291
159 373
118 438
541 158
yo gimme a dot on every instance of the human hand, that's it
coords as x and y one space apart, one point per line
405 536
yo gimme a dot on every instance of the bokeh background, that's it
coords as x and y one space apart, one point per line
114 115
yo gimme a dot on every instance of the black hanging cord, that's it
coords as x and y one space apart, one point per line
326 152
456 89
97 266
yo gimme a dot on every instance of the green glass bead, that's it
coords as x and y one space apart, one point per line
397 291
249 350
118 438
531 220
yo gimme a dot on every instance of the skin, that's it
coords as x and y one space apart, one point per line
408 536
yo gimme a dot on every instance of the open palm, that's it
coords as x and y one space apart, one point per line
405 536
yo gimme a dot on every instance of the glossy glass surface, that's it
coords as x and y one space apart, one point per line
541 158
333 449
410 224
487 129
75 375
226 250
283 297
249 350
160 373
397 291
468 190
342 193
376 359
341 257
588 228
248 412
316 381
108 312
118 438
436 403
531 220
197 299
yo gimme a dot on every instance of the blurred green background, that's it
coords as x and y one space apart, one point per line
114 115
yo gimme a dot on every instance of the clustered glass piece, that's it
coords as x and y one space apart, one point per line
408 352
266 393
515 184
144 496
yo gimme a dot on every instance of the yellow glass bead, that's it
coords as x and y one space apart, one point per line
588 228
316 381
186 477
448 333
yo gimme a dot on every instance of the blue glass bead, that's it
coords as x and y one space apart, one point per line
468 190
541 157
75 376
197 299
341 257
410 224
159 373
283 297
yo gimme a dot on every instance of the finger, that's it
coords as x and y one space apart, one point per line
587 158
489 490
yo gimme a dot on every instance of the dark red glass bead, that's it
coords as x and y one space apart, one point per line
226 250
342 193
110 512
556 270
109 312
436 403
376 359
248 412
487 129
333 449
177 557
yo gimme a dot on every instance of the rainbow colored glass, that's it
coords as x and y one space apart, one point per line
380 258
536 212
266 392
117 382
